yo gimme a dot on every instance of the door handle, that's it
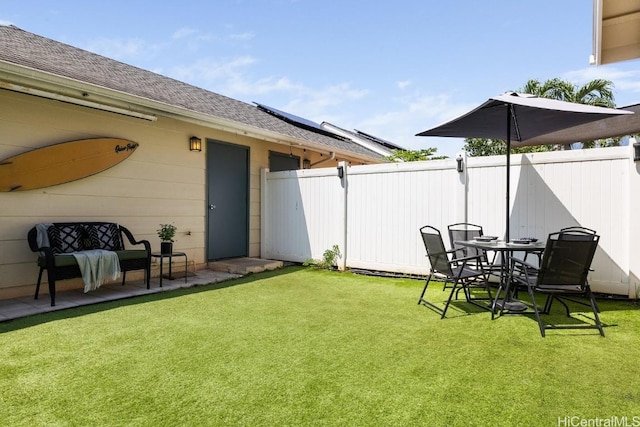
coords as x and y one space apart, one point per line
212 207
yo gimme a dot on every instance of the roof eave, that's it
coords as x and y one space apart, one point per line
11 73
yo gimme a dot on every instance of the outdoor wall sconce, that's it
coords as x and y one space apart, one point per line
340 172
195 144
636 151
460 166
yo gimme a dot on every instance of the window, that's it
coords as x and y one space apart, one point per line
283 162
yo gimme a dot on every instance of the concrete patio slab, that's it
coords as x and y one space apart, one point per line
225 270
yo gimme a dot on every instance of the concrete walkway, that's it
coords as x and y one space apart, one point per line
217 272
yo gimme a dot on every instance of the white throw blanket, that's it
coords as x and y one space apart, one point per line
97 266
42 238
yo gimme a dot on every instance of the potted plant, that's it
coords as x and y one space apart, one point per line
166 233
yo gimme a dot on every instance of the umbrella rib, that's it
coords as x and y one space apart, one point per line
515 122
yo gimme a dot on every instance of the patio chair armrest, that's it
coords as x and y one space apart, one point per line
462 262
522 268
452 251
522 263
455 254
467 258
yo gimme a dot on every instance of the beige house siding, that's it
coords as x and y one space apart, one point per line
162 181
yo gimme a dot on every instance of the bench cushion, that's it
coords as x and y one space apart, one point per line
66 260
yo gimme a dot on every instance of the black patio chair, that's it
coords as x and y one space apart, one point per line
567 233
562 275
464 231
452 270
467 231
577 233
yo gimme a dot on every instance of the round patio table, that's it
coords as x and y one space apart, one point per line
505 249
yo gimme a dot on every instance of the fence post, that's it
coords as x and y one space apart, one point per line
462 192
344 182
264 211
634 225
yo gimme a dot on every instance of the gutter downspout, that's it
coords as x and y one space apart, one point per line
332 156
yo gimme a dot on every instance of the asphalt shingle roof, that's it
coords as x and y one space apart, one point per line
40 53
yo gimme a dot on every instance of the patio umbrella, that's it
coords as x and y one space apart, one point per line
519 117
605 128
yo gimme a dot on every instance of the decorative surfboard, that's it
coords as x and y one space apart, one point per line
64 162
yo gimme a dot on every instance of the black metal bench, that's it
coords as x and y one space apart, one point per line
55 242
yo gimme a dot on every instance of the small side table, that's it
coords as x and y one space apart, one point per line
170 256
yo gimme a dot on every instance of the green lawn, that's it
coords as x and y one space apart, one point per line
306 347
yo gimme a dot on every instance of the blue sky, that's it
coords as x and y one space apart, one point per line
391 69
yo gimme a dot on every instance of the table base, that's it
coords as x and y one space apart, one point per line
513 305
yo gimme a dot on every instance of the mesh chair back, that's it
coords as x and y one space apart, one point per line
566 262
576 233
436 251
465 231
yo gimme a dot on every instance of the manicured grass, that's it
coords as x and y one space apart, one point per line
306 347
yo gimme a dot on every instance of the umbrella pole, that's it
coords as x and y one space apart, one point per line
508 169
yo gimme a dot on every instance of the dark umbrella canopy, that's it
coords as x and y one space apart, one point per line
605 128
519 117
531 116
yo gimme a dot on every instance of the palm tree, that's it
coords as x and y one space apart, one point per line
598 92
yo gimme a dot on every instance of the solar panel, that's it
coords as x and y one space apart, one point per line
295 120
289 117
380 141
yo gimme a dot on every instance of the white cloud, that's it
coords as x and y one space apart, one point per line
194 34
587 74
626 82
122 49
415 114
241 36
183 32
207 72
243 86
322 104
313 103
403 84
231 77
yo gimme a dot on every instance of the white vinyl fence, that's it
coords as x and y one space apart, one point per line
373 213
